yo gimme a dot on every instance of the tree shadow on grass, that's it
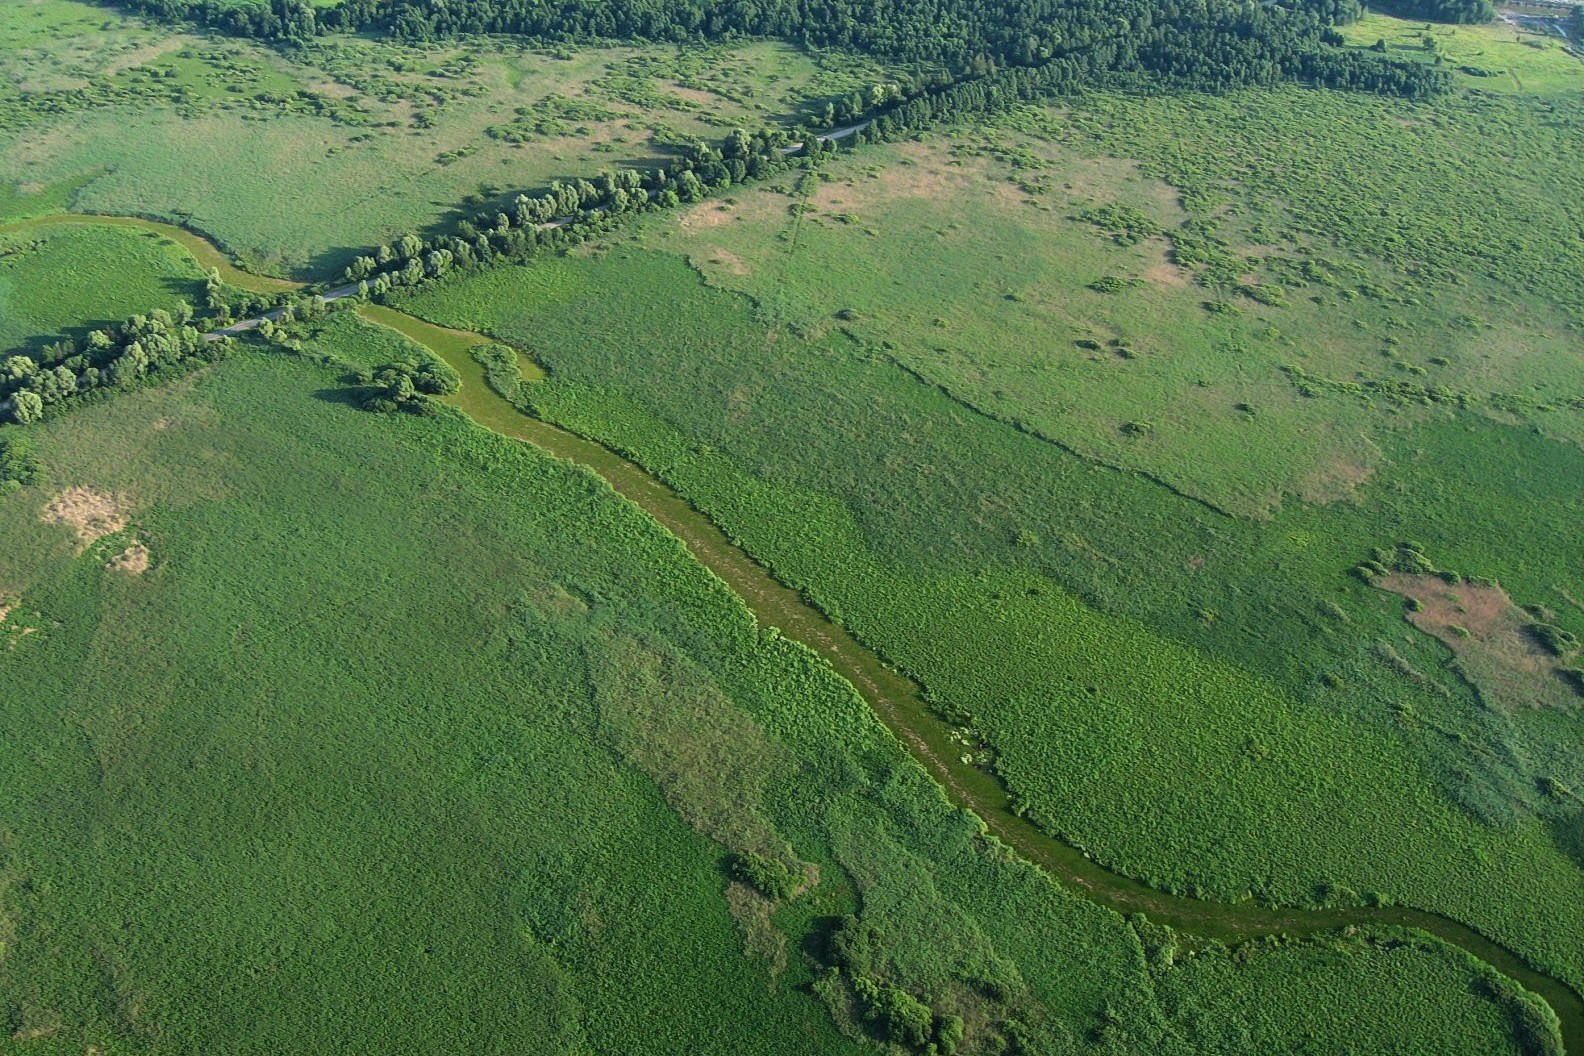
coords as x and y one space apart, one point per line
1567 832
348 395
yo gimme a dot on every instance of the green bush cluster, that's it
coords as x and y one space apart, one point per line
1126 225
1555 640
406 386
857 953
502 371
770 877
18 466
1407 558
120 357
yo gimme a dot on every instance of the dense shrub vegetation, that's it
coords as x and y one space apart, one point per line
1220 44
1455 11
121 357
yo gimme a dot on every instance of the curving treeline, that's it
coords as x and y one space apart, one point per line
1210 44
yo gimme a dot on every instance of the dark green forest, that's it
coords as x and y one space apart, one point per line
1214 44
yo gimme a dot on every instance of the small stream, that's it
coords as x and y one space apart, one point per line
900 705
205 252
896 700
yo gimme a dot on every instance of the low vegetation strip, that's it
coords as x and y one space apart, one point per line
564 643
490 373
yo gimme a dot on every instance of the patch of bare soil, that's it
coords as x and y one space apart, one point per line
134 560
924 175
699 97
707 215
333 89
93 514
1166 274
1335 480
725 259
146 54
1489 636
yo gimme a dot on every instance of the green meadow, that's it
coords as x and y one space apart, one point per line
61 279
1100 631
497 741
296 161
1211 462
1209 290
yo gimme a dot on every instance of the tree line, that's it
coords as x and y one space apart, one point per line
1464 12
119 357
287 20
1215 48
572 212
1203 43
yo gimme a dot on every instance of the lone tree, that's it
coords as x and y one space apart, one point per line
27 406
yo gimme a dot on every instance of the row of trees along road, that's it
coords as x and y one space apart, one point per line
119 357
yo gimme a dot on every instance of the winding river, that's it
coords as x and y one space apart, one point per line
896 700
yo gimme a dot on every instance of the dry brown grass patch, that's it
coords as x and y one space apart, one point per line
1166 274
706 215
1488 635
924 175
91 513
725 259
761 938
146 54
698 96
1334 480
134 560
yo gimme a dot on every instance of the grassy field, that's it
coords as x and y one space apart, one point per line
1193 289
489 771
956 544
67 279
1207 290
1084 418
458 795
293 162
1490 58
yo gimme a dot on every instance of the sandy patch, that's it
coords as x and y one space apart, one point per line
706 215
333 90
1489 636
143 55
91 513
927 176
725 259
1166 274
1335 480
134 560
697 96
7 606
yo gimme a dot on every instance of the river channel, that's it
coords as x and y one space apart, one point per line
896 700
